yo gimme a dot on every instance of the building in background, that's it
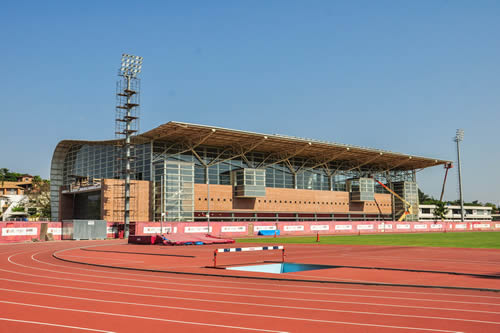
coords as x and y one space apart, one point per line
190 172
472 213
12 195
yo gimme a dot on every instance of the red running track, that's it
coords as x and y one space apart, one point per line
39 293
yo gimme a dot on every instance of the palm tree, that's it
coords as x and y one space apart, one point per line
440 211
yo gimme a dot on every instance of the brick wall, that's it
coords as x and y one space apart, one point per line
286 200
140 195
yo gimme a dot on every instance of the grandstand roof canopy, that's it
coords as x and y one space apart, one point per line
193 135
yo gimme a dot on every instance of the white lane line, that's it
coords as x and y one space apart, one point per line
218 312
141 317
266 290
213 280
55 325
98 258
249 303
245 295
359 257
334 278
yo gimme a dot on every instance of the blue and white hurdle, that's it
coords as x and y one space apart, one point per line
246 249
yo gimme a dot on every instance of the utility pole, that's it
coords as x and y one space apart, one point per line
458 138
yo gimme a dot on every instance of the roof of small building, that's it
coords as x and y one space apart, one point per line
455 207
10 185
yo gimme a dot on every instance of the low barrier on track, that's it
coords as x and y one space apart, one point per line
247 249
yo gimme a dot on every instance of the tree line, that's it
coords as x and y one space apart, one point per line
425 199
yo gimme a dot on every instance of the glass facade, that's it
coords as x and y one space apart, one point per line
409 191
87 206
249 183
173 191
102 161
361 189
305 175
203 164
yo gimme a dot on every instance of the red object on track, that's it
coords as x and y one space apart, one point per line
142 239
194 239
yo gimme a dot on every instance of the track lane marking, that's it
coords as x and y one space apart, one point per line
265 289
220 312
113 259
56 325
396 259
141 317
261 283
252 304
251 295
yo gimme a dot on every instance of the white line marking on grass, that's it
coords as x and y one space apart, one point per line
141 317
56 325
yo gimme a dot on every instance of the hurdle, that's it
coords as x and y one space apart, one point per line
246 249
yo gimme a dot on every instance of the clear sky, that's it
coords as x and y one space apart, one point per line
394 75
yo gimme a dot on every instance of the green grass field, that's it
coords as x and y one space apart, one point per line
489 240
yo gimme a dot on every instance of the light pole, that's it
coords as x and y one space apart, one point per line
129 70
458 138
208 199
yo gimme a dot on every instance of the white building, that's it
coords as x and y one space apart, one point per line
472 213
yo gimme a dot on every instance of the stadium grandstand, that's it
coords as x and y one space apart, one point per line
190 172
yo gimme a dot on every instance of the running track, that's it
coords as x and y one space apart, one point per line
39 293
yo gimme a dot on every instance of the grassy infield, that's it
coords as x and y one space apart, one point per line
464 239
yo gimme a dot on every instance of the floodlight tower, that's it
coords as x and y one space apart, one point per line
127 116
459 136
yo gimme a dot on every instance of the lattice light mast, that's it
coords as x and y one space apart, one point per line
458 138
127 120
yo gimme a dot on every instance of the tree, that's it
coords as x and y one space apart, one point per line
440 211
18 209
37 185
424 199
39 197
494 208
45 212
6 175
3 174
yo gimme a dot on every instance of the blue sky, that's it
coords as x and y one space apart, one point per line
394 75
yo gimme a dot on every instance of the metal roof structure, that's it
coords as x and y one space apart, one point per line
321 151
283 146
